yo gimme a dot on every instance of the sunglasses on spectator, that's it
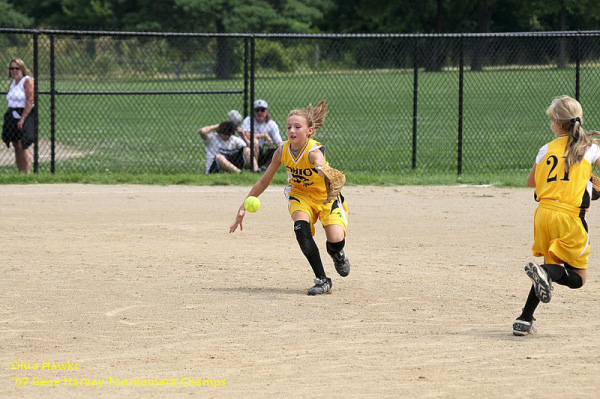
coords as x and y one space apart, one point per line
14 68
261 109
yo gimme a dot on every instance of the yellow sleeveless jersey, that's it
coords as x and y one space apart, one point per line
303 175
554 187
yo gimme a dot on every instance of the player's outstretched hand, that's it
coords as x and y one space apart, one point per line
238 220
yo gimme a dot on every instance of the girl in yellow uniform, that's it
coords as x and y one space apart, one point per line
561 177
306 193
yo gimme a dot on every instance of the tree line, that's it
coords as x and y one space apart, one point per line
304 16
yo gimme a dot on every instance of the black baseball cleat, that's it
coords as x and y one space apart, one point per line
542 284
321 286
523 327
341 262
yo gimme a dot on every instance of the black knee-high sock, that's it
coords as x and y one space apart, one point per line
309 247
530 306
335 247
562 276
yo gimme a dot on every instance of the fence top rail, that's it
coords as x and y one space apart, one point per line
427 35
49 32
591 33
138 93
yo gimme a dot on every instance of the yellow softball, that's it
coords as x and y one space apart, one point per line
252 204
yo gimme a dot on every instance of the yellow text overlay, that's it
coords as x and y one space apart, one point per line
100 383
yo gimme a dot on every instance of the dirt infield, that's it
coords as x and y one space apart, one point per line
143 289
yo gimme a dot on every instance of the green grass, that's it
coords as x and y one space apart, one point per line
247 179
368 131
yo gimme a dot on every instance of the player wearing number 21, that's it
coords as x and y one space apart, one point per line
306 193
561 177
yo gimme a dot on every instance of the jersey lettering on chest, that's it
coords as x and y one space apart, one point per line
301 176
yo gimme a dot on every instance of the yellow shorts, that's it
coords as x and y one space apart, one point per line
560 237
331 213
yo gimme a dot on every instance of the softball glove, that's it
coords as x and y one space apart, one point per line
595 187
334 181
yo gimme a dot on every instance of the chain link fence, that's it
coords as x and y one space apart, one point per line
134 102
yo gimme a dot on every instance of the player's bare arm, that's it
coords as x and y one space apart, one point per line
257 189
531 177
317 159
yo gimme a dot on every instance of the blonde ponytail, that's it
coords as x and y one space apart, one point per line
315 116
567 113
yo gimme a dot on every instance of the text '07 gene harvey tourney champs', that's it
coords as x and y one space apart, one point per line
39 375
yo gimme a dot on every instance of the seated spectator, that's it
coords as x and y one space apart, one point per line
224 151
266 134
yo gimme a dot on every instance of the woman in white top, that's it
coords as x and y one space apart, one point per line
18 123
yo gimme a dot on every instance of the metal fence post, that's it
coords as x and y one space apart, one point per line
246 113
415 102
52 107
577 66
461 73
36 105
252 87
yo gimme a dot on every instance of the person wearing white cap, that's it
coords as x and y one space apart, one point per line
266 133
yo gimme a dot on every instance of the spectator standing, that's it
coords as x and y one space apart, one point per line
17 128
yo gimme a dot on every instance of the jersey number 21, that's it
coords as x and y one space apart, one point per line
554 160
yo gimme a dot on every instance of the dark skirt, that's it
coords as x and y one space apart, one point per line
10 132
